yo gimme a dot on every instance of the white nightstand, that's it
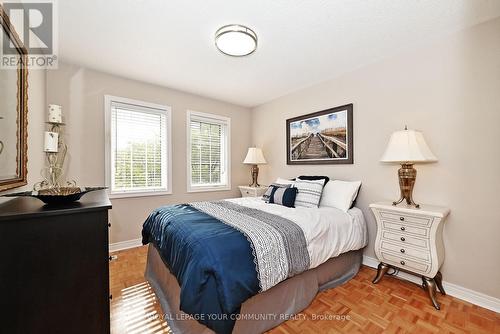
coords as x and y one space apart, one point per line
247 191
411 239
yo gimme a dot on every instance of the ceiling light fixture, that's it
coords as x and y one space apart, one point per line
236 40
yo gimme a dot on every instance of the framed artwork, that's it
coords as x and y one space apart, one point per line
13 110
323 137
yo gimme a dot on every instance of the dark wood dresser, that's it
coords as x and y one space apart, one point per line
54 266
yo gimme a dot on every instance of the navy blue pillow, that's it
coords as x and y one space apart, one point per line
314 177
283 196
354 201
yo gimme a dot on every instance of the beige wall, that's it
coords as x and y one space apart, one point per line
449 90
81 93
37 83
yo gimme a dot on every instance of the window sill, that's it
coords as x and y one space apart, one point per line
207 189
138 194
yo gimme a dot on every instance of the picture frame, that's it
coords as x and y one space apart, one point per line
323 137
13 112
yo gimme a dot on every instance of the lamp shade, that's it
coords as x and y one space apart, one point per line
407 146
254 157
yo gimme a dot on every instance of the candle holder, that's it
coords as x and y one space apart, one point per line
53 172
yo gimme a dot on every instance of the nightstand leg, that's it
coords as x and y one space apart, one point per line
381 270
439 282
430 285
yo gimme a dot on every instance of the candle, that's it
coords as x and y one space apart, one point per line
55 113
51 141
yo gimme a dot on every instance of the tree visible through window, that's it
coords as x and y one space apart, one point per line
208 151
138 148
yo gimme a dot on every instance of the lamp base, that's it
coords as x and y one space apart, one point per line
255 175
407 176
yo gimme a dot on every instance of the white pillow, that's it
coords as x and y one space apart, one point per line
340 194
309 192
280 180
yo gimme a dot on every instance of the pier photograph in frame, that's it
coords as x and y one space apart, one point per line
323 137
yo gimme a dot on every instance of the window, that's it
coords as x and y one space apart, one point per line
138 150
208 152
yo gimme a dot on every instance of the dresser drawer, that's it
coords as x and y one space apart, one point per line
404 263
418 254
423 221
407 228
405 239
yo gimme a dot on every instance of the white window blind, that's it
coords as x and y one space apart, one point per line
208 161
138 148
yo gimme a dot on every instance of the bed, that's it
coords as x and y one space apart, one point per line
245 266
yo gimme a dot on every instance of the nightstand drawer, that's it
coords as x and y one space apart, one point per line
393 226
248 193
425 221
418 254
252 191
406 239
404 263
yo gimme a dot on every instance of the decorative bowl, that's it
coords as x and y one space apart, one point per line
54 196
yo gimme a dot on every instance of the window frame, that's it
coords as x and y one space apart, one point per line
108 100
216 119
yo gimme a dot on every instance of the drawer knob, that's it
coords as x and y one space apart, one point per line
402 218
402 263
403 239
402 228
402 250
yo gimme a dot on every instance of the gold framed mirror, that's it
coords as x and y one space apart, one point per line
13 110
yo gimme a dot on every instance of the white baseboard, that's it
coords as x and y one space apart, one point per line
457 291
117 246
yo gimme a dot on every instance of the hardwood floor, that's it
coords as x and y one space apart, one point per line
391 306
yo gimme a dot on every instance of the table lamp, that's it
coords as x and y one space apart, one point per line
254 157
407 147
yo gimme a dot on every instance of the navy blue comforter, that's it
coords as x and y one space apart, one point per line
212 262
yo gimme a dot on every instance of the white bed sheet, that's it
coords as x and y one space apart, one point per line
329 232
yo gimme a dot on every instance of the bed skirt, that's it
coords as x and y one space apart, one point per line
263 311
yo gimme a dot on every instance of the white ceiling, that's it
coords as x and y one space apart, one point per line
301 42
